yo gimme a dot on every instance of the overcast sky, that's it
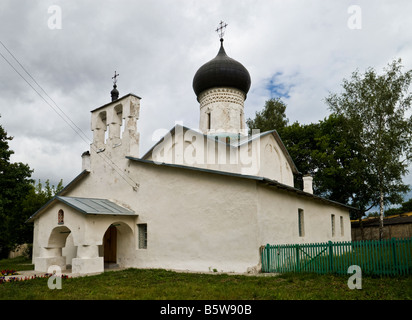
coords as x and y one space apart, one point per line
299 50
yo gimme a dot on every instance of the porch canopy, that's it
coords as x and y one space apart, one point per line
87 206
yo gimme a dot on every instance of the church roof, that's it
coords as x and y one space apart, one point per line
95 206
87 206
74 182
222 71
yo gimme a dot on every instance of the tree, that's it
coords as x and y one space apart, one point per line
271 117
19 198
14 184
35 198
405 207
375 107
335 160
323 150
320 149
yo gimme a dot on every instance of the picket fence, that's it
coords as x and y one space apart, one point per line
386 257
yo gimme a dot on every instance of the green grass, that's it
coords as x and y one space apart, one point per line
19 263
157 284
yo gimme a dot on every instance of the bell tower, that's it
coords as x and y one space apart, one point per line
114 127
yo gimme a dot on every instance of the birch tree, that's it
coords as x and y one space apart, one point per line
378 109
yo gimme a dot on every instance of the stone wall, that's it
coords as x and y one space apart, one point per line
394 227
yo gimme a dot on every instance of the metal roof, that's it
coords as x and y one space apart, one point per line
87 206
95 206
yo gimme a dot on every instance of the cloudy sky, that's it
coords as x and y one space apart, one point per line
299 50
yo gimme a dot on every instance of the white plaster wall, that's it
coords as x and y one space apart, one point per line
273 162
188 215
197 221
278 218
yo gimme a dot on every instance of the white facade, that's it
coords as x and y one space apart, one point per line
195 214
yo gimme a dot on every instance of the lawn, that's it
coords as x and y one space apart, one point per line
157 284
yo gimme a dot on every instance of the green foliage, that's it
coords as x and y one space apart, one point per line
404 208
375 107
37 196
14 184
323 150
335 162
271 117
360 153
19 198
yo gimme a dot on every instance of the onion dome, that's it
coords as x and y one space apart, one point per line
114 93
222 71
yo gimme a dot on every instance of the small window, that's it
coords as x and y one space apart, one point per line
209 121
301 223
142 228
342 232
333 224
60 217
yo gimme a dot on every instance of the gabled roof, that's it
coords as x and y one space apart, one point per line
87 206
236 144
72 183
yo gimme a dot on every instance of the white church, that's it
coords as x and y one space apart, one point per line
198 200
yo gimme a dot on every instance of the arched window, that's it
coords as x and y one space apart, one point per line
60 217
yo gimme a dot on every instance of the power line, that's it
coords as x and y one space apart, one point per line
72 125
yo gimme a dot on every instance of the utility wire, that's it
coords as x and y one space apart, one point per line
72 125
79 129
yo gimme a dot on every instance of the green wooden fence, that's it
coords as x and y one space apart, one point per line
375 257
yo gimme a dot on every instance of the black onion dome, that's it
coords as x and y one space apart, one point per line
114 93
222 71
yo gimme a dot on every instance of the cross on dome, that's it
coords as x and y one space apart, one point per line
115 77
221 29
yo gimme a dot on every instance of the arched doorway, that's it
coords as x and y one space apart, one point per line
110 246
118 246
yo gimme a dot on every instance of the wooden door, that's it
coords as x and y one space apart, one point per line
110 245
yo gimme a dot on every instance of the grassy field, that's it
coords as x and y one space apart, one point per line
156 284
